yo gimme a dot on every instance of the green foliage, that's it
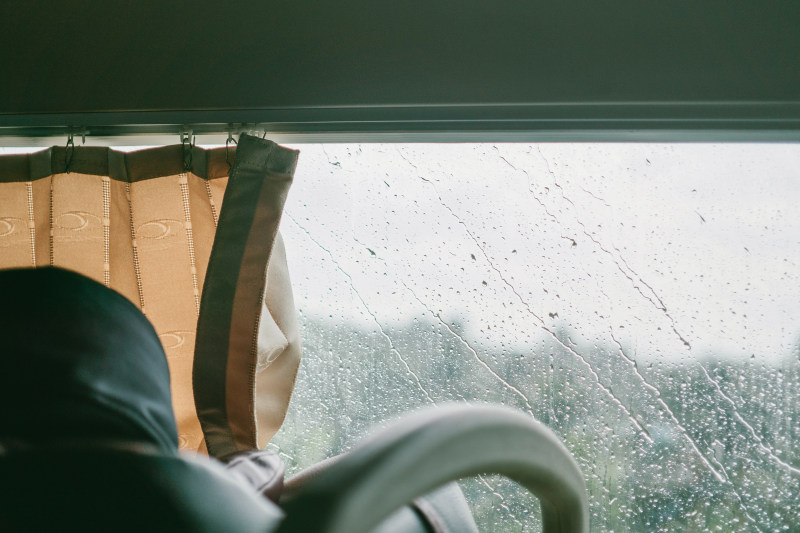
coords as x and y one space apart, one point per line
672 456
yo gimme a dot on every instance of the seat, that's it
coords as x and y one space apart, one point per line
424 451
88 488
94 487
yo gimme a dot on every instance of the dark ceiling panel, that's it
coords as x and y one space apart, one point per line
151 55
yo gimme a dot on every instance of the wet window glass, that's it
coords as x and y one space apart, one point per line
641 300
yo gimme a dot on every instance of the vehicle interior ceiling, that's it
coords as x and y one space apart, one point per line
584 211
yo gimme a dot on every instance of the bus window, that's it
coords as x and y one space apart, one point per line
639 299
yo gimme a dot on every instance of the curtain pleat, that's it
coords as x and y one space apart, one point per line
140 224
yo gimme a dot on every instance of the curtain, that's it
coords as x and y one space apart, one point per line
194 244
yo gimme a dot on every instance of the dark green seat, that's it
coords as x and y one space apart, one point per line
99 488
109 490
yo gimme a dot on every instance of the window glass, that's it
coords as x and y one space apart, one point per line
641 300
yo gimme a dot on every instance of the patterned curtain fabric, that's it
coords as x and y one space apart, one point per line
195 245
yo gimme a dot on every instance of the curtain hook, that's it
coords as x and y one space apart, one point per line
262 128
69 152
187 143
227 143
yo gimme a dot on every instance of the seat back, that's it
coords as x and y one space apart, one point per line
111 490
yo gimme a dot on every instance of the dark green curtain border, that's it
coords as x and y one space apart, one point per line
121 166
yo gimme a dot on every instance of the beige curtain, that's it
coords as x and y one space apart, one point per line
198 251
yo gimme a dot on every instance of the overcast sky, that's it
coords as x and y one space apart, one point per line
676 250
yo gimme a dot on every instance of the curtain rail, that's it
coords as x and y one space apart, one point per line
125 136
680 121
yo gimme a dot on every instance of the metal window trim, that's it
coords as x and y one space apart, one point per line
537 122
